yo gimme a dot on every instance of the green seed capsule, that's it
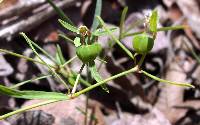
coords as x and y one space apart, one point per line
143 43
88 53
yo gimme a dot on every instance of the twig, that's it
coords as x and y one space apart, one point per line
26 24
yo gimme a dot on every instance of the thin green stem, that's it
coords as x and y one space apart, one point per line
101 60
159 29
93 117
75 84
74 95
97 12
132 34
172 28
115 39
141 60
195 55
166 81
60 12
28 108
134 24
43 51
193 52
104 81
74 75
86 108
87 95
77 79
122 20
30 80
24 57
69 61
53 71
66 38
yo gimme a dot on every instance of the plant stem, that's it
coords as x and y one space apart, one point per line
24 57
86 108
74 95
194 54
30 80
141 60
166 81
104 81
115 39
134 24
60 12
87 95
97 12
77 79
172 28
43 51
159 29
66 38
27 108
121 27
29 41
69 61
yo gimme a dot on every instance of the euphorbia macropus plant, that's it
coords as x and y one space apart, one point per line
88 50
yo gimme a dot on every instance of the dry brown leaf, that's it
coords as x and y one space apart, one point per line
63 110
170 95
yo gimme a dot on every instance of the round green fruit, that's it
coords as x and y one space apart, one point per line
143 43
88 53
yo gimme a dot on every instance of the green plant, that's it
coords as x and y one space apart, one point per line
87 50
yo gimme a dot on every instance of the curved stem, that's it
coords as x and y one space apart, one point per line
27 108
77 79
166 81
104 81
115 39
122 20
141 60
25 57
69 61
159 29
29 41
30 80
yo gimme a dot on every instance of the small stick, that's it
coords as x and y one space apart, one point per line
77 79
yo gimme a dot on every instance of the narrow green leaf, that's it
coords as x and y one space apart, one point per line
166 81
101 32
77 41
97 76
59 55
97 13
68 26
32 94
153 21
60 12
